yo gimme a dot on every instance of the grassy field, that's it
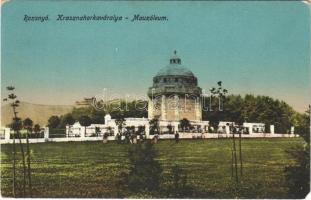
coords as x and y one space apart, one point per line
92 169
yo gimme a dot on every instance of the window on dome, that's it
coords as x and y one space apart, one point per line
164 80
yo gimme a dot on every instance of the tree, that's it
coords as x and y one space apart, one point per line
215 115
16 126
109 130
297 175
97 116
120 122
240 131
129 109
37 129
170 129
184 124
129 134
250 108
234 155
303 127
221 93
13 105
140 130
69 120
28 123
85 121
145 171
53 122
154 126
97 131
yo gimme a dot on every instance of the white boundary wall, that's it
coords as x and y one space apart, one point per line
164 136
78 131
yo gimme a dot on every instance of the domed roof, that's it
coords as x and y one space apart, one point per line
175 68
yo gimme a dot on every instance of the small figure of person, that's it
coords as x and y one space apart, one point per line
155 138
176 137
134 138
119 138
105 137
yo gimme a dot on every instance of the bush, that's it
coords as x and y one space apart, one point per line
145 171
298 175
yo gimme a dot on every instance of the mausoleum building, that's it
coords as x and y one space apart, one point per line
175 93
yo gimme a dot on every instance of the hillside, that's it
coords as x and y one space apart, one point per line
38 113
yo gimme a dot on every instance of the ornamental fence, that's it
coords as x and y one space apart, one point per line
96 134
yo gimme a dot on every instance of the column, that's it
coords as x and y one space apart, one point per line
147 129
176 126
116 129
46 133
227 130
176 99
107 119
272 129
82 132
67 131
150 108
7 133
198 109
163 108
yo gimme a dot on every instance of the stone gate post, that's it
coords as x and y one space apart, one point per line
82 132
46 133
272 129
7 133
147 129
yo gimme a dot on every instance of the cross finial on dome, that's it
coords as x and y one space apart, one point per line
175 59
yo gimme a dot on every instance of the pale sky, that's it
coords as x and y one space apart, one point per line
260 47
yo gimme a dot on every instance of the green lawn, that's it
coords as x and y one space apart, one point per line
92 169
